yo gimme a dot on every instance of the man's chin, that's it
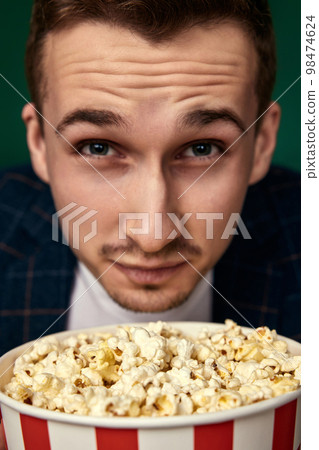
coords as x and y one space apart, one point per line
148 299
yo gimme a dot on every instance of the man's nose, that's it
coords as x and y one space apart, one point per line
152 199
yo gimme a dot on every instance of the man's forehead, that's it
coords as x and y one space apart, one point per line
224 43
91 60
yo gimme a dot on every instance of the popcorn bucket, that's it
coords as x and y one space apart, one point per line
272 424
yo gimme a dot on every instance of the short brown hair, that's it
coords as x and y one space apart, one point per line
156 21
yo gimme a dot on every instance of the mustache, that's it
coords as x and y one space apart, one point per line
178 245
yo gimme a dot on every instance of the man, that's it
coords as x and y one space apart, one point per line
157 108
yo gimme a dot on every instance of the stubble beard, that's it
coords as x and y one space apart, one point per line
148 298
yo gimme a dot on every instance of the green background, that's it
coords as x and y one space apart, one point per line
13 34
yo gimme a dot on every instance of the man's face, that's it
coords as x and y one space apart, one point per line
150 119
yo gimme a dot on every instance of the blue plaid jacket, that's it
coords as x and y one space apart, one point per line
259 277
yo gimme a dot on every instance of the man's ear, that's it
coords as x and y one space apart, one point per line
36 143
265 143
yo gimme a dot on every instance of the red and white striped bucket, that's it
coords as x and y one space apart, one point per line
268 425
276 429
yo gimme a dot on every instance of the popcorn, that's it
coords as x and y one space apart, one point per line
154 370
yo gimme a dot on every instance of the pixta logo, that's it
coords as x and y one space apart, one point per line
233 226
73 211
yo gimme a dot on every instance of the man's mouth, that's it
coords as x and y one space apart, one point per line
150 273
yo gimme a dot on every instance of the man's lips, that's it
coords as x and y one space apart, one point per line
149 274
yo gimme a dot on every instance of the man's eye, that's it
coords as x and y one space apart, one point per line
97 149
202 149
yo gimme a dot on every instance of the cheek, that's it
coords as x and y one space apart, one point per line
221 192
85 188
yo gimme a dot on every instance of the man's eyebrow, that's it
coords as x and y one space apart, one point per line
96 117
203 117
